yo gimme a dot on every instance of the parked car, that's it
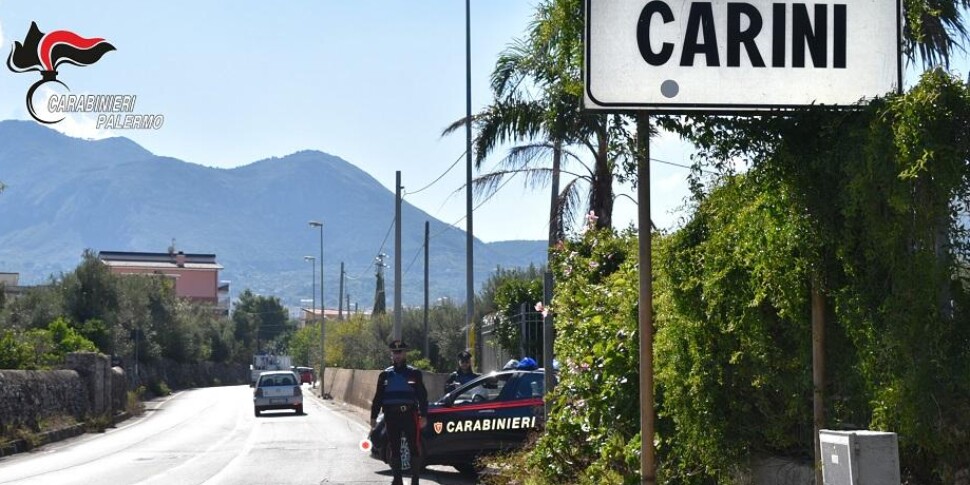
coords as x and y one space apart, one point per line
277 390
495 412
306 375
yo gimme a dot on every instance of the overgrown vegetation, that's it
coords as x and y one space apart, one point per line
31 433
360 342
872 206
130 316
869 207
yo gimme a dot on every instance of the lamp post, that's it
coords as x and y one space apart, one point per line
323 327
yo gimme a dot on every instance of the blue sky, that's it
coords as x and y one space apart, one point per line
371 81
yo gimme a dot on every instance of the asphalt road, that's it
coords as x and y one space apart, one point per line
210 436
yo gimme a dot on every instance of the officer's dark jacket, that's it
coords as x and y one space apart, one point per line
400 385
458 378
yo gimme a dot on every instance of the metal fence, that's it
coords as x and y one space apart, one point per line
494 357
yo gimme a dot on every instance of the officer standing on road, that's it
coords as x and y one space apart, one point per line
403 398
464 373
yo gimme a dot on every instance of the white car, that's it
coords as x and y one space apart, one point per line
278 390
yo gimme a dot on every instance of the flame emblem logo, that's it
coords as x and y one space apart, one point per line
44 52
438 427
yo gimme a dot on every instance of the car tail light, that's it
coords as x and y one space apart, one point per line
297 391
259 392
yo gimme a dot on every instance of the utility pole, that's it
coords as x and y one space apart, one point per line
340 299
470 231
427 232
397 258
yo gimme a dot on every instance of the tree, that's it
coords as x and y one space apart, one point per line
90 290
259 321
933 29
513 289
91 300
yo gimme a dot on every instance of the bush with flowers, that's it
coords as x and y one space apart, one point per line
592 435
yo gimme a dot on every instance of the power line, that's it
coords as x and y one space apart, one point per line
453 224
415 258
504 183
439 177
362 273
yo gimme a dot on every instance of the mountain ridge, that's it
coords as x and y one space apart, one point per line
64 195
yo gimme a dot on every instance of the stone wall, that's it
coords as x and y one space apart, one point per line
90 387
27 397
95 372
186 376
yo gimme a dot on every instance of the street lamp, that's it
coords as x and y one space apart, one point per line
323 327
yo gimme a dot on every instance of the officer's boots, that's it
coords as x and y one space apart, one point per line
397 479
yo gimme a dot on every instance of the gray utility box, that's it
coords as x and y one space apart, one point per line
859 457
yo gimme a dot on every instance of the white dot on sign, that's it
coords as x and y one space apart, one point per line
669 88
365 445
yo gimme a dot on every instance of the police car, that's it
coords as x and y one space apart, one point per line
492 413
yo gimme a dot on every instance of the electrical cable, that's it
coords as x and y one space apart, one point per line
439 177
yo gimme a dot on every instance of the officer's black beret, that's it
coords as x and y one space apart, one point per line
464 355
397 345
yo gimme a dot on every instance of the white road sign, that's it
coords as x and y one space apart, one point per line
681 55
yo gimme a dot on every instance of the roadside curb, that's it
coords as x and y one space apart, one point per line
52 436
45 438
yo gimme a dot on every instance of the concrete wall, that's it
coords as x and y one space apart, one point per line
356 387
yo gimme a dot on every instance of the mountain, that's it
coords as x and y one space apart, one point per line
64 195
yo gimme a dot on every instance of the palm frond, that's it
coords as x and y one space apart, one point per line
504 122
570 155
570 201
935 29
511 68
526 156
538 178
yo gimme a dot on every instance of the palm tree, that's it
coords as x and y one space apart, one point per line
934 29
537 89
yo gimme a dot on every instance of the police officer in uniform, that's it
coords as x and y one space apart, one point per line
464 373
403 398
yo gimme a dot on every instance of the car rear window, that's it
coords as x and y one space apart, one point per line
277 381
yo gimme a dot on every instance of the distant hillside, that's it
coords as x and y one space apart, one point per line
65 194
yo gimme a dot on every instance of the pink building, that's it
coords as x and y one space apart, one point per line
196 276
